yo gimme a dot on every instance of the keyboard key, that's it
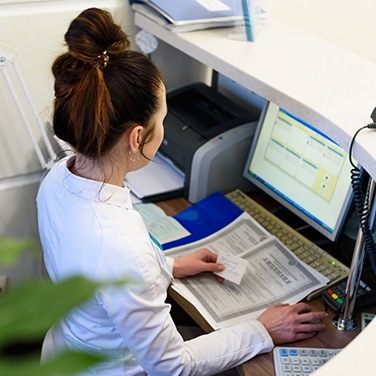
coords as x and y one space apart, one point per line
284 352
302 361
286 368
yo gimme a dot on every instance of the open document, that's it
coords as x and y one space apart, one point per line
273 275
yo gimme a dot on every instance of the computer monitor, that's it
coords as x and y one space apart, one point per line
302 169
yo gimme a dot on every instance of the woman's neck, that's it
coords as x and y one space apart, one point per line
104 170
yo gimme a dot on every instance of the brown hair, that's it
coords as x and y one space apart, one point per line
102 88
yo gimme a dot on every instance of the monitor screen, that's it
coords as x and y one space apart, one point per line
302 169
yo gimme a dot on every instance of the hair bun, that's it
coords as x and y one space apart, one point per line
93 35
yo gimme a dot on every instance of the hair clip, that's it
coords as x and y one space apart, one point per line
105 59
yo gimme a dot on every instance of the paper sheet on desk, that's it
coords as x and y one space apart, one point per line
163 227
274 275
157 177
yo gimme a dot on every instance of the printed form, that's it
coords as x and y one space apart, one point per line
273 274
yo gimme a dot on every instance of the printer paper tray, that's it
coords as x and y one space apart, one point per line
159 179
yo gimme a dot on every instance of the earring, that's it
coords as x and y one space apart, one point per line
134 159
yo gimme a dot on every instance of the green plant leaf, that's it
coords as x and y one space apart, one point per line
12 249
67 363
28 311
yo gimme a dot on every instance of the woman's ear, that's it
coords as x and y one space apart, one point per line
135 138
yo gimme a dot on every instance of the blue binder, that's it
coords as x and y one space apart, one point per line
204 218
191 11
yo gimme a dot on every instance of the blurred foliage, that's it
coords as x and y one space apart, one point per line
11 250
28 310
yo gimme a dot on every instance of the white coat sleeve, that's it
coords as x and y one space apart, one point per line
143 319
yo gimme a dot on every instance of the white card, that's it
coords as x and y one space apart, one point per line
235 267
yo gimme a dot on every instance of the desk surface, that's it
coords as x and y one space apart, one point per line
328 87
262 365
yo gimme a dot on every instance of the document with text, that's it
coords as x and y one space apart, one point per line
273 275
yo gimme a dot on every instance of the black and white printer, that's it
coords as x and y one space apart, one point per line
207 137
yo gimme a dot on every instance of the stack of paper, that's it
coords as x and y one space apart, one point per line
158 179
189 15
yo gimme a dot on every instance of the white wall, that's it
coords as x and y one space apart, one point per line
34 30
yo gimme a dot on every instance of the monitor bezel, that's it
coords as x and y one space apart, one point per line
347 203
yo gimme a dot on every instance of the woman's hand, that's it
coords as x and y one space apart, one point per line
288 323
196 263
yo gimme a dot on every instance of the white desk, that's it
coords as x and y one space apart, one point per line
330 88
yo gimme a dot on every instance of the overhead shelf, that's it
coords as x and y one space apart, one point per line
325 85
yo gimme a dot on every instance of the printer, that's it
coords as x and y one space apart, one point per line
207 137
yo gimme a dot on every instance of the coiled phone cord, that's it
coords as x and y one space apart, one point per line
361 201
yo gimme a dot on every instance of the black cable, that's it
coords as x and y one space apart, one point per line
362 203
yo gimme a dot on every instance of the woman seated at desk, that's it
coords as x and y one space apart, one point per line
109 105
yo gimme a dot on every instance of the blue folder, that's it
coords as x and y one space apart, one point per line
190 11
204 218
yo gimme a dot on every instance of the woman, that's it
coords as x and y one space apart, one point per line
110 105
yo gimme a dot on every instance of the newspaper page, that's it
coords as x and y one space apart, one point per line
273 275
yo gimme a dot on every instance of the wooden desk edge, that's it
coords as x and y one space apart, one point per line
191 310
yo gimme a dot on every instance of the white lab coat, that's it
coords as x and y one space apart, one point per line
89 228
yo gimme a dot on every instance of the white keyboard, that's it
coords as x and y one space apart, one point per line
300 361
